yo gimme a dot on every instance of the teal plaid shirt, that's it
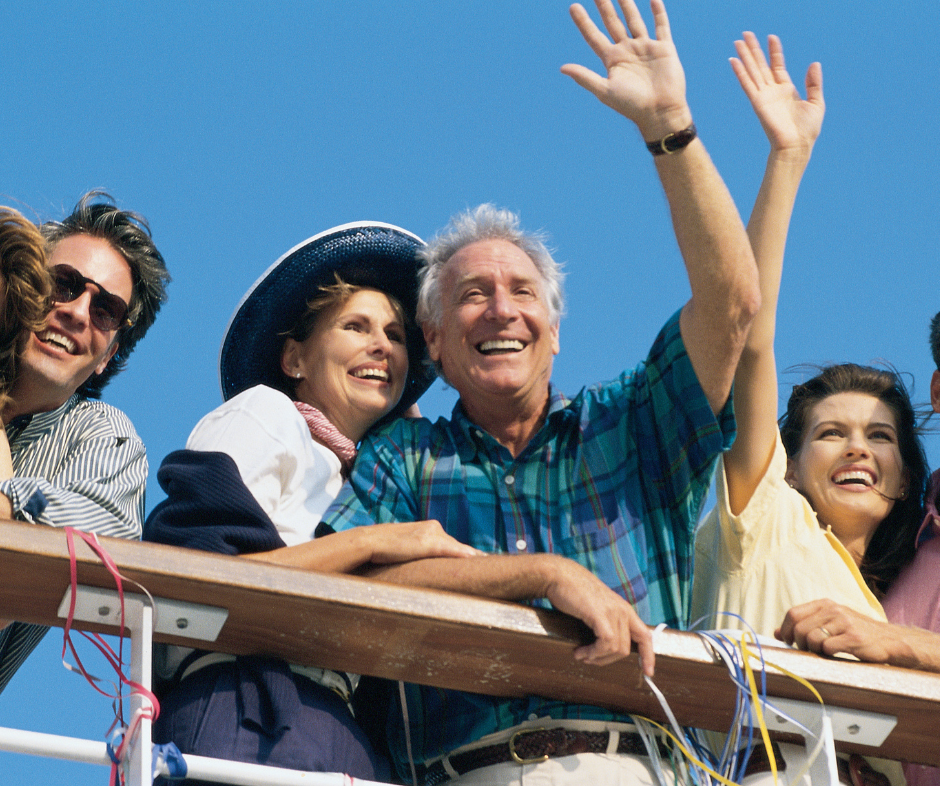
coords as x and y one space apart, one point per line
615 479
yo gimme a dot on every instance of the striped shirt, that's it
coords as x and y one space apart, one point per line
615 479
81 465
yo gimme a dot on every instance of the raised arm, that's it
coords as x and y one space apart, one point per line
645 83
792 126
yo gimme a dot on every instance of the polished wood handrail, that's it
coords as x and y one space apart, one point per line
448 640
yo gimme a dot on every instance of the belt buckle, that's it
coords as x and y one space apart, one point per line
519 759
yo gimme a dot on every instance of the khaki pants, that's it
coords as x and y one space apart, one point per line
584 769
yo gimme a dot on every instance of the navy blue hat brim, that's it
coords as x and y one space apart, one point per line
370 254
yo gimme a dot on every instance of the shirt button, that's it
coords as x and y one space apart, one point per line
509 478
520 545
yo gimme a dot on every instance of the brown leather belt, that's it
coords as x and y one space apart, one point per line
535 745
759 762
854 770
539 744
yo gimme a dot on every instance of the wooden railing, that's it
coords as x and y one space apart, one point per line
441 639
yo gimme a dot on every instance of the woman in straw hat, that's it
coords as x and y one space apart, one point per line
321 348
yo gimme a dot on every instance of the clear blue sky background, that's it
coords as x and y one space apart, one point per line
239 129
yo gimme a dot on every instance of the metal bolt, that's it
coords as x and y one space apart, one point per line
854 729
104 610
182 623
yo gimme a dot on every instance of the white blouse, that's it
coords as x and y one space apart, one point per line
293 478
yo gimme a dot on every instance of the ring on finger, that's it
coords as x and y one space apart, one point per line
826 633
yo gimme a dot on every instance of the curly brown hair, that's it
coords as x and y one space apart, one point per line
25 290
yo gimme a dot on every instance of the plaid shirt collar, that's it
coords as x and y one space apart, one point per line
471 439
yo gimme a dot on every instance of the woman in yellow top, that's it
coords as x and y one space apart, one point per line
832 509
827 506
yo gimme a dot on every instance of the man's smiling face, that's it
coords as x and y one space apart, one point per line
496 340
63 355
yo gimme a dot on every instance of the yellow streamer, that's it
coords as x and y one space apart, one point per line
755 701
689 756
746 655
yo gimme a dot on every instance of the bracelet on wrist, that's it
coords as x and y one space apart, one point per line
672 142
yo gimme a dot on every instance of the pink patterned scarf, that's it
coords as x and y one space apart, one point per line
323 430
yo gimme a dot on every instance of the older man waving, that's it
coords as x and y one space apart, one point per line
588 502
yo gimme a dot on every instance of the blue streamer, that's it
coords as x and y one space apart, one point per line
170 755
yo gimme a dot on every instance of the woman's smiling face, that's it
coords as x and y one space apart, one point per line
354 364
849 465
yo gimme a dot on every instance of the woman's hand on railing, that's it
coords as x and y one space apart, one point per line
829 628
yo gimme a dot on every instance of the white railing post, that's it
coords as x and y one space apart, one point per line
138 615
103 606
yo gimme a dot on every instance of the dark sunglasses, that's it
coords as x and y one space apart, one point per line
108 312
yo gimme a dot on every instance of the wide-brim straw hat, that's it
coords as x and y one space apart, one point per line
371 254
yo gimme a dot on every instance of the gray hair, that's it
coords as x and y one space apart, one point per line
485 222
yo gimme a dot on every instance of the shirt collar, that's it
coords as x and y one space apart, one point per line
471 438
31 424
931 525
557 403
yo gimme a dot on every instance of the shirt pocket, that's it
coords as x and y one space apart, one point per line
613 548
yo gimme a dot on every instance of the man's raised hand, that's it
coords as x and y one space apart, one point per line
645 81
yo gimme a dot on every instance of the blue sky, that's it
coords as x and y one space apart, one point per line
240 129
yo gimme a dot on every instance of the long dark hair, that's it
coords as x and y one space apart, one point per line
892 545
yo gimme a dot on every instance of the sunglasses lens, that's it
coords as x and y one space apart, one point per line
108 311
68 284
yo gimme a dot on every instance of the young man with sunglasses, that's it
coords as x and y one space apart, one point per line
67 459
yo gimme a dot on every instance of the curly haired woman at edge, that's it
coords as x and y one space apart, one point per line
25 287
